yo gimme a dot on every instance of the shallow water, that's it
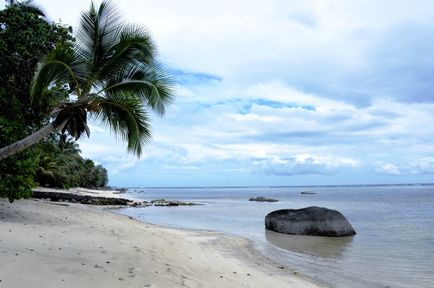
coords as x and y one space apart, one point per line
394 245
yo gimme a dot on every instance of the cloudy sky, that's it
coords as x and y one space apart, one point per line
282 92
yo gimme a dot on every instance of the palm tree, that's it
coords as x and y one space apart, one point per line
112 75
68 145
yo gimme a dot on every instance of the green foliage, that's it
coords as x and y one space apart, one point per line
17 172
25 39
62 166
17 177
111 72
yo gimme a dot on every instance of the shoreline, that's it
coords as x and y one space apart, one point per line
248 244
75 245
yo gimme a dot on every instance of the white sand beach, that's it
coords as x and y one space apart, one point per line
45 244
85 192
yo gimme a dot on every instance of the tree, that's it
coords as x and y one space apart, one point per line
27 5
25 38
112 75
68 145
62 166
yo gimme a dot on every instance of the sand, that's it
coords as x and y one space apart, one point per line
45 244
85 192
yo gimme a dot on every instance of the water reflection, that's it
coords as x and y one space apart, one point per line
326 247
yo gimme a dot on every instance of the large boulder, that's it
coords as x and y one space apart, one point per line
313 221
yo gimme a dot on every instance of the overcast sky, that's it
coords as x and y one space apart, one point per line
281 92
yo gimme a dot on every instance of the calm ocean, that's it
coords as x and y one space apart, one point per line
394 245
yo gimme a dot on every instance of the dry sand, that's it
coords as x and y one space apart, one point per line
70 245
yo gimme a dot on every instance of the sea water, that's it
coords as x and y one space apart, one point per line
394 245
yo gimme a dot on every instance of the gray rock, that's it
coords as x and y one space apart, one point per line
120 191
171 203
262 199
313 221
83 199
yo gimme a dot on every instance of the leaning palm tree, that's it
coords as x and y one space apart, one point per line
112 75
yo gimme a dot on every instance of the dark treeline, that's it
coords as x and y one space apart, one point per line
25 38
60 165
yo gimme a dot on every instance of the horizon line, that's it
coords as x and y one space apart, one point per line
280 186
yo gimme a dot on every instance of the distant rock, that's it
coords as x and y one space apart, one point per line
307 193
313 221
171 203
83 199
120 191
263 199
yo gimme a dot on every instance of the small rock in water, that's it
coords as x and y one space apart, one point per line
263 199
120 191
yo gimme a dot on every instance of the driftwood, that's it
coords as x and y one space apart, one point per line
83 199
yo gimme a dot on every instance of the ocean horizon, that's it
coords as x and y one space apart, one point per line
394 225
274 186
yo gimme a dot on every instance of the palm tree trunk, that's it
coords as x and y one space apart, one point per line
26 142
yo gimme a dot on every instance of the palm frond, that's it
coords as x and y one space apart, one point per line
151 83
61 66
98 33
133 45
126 116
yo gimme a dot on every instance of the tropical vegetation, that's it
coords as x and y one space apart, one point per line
109 73
25 38
60 165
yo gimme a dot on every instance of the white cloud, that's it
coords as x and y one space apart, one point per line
388 169
303 165
423 166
